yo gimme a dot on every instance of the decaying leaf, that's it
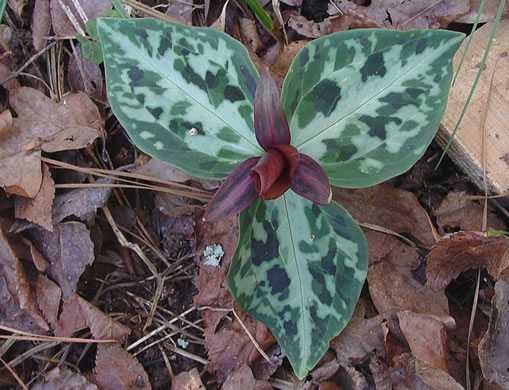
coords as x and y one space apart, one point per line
391 208
74 123
38 209
458 212
435 378
18 308
48 296
62 26
462 251
41 23
407 15
115 368
494 347
226 341
310 28
62 378
81 202
69 250
248 29
26 297
182 11
85 76
242 378
79 314
427 338
393 285
286 56
360 337
488 13
42 124
187 380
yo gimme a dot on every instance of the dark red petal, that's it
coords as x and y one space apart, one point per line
291 155
311 182
267 170
271 126
236 193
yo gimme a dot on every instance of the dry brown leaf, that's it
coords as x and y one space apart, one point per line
38 210
5 72
187 380
488 13
62 378
462 251
41 24
250 34
82 202
310 28
388 207
286 56
181 10
360 337
115 368
74 123
494 347
5 124
228 345
48 296
241 378
62 26
457 212
26 297
79 314
427 338
11 313
88 79
402 14
435 378
392 284
69 250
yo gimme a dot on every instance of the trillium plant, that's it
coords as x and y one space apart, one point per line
356 108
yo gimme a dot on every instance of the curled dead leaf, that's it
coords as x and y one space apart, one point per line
79 314
462 251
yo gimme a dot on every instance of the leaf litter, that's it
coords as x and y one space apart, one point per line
401 336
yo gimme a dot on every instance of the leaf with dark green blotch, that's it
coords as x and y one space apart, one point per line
185 75
312 273
391 87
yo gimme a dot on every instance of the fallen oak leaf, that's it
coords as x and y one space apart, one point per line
38 209
42 124
462 251
78 314
69 249
115 368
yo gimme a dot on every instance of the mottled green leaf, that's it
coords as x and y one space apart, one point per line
365 104
184 94
299 268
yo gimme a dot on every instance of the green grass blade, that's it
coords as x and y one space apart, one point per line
261 14
3 4
474 27
119 7
474 86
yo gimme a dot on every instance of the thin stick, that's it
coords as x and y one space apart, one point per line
188 355
136 248
421 13
381 229
27 64
109 173
255 343
26 336
145 9
13 373
471 326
